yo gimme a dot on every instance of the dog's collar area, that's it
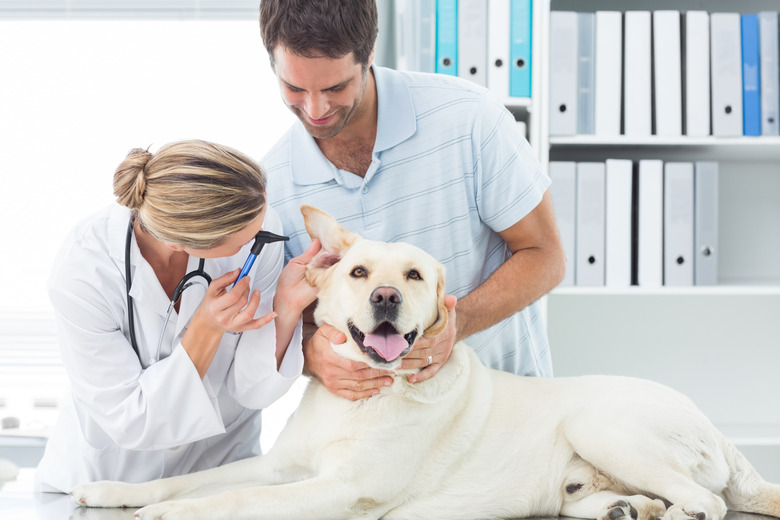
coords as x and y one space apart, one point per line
385 344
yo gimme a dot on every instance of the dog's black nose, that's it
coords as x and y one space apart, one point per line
386 298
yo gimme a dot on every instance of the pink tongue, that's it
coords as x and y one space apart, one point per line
389 347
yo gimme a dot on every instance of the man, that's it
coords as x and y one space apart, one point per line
427 159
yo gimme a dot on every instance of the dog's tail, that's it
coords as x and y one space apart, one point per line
747 491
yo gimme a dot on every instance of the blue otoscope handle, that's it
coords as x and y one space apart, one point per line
247 267
261 239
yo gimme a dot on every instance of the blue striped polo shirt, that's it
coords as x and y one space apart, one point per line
450 169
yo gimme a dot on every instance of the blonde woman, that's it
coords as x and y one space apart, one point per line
169 363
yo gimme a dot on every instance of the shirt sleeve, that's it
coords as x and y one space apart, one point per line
253 379
163 406
509 180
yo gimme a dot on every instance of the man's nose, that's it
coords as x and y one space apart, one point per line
316 105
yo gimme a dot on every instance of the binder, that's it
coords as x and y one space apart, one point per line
498 47
415 31
590 232
637 74
563 72
586 72
520 44
609 72
564 197
705 264
678 223
650 221
726 63
697 73
472 40
668 73
770 78
751 95
619 188
447 37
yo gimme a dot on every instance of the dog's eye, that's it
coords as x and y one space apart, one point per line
414 274
359 272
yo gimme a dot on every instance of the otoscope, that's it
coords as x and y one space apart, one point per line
261 238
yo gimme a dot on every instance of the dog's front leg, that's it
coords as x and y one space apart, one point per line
322 497
251 471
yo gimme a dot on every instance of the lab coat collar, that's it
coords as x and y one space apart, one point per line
396 122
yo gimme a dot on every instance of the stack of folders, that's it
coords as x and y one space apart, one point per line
682 73
648 223
488 42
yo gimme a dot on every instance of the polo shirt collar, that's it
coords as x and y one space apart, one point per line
397 122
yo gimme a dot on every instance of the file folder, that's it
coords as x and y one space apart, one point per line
650 223
415 32
751 78
564 197
586 72
705 266
678 223
697 73
637 74
770 88
668 73
590 232
619 188
498 47
609 72
726 63
472 40
564 58
447 37
520 45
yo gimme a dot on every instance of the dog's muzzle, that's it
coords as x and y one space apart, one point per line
384 344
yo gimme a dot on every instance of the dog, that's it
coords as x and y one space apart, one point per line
469 442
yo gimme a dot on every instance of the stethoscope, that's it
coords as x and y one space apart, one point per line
261 239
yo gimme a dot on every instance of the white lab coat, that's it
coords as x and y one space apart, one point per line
134 421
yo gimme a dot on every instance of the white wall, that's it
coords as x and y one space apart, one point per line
76 96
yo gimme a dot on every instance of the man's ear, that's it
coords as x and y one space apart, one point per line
443 314
335 241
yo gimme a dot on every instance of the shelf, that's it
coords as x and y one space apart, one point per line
712 290
718 148
517 102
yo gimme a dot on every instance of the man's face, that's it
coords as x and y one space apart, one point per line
324 93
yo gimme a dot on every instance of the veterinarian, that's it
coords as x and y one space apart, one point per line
429 159
166 384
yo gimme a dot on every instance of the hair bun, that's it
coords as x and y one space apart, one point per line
130 178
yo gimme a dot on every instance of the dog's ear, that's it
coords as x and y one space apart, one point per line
443 315
335 240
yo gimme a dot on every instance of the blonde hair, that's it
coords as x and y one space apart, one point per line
191 193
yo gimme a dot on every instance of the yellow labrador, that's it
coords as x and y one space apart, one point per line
468 443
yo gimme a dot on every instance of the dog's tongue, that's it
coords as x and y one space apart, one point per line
389 346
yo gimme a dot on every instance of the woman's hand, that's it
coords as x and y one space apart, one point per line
293 292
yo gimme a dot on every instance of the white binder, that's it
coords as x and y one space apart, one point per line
650 223
619 188
563 72
637 74
668 73
678 223
416 35
498 47
564 198
589 257
770 89
586 73
705 264
726 59
609 72
472 40
697 73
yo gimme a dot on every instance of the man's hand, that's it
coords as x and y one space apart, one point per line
430 354
346 378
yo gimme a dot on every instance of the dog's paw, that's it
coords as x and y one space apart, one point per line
636 507
173 510
695 511
103 494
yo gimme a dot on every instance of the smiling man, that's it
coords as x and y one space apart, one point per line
428 159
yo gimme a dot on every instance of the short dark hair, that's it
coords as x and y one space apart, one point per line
320 28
